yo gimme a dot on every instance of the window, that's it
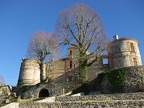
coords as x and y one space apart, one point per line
70 52
50 67
70 64
132 46
134 61
105 61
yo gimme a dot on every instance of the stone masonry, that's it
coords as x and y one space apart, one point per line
134 80
124 52
120 100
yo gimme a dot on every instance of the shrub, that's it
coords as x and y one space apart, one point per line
20 84
117 79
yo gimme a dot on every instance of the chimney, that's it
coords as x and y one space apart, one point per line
115 37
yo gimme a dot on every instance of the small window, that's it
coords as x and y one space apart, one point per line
70 52
50 67
70 64
132 46
105 60
135 61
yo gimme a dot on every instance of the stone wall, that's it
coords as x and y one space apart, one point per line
58 70
67 69
101 97
53 89
121 100
121 104
134 83
134 80
34 91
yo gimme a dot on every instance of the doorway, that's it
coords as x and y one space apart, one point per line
44 93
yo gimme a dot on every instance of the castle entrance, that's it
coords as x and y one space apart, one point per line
44 93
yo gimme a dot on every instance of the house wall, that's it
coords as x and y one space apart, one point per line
58 70
67 69
96 68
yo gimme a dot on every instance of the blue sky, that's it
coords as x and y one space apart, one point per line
19 19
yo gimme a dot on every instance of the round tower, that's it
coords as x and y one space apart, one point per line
29 72
123 52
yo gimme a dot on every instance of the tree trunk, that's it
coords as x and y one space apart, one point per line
83 69
83 74
43 76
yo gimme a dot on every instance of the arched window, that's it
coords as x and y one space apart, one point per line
70 64
44 93
70 52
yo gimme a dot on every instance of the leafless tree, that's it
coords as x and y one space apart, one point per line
44 47
82 28
1 80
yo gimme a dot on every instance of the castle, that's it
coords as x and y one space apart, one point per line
122 52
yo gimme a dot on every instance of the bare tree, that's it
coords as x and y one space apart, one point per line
43 46
1 80
82 28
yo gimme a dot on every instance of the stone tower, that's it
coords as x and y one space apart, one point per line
123 52
73 53
29 72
